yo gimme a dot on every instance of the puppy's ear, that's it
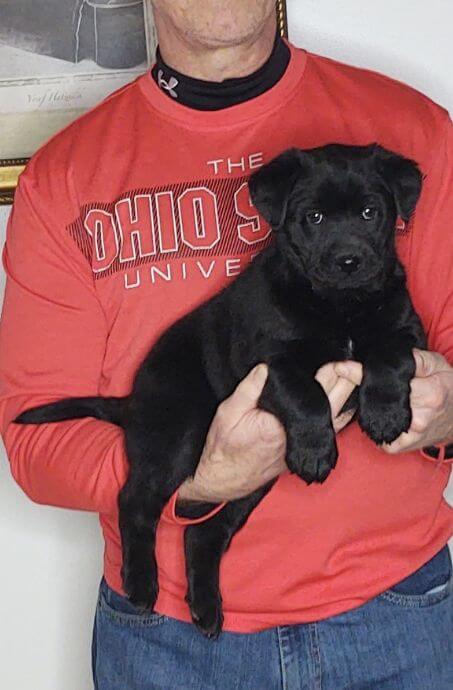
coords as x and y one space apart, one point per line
271 186
403 177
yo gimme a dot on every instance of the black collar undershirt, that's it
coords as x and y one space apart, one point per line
209 95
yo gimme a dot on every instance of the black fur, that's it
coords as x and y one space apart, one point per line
323 291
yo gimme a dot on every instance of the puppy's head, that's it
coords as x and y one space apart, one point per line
336 208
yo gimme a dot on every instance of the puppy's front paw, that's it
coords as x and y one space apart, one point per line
384 415
312 455
207 615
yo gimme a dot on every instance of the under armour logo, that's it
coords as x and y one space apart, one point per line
167 85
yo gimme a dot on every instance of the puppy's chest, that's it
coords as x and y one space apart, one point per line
349 348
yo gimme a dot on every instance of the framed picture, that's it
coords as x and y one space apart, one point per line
58 58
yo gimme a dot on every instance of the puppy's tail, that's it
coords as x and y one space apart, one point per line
112 410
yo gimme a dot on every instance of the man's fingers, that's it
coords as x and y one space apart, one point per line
407 441
429 363
246 395
329 374
350 370
327 377
339 395
338 389
341 420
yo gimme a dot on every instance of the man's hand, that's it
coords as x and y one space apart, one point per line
431 402
245 447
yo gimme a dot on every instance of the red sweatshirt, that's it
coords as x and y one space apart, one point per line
138 212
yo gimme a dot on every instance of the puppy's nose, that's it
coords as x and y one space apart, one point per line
348 263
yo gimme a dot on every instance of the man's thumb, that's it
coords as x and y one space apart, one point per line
248 391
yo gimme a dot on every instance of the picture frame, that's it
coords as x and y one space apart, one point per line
66 71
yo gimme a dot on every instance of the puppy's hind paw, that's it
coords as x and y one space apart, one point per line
141 591
208 617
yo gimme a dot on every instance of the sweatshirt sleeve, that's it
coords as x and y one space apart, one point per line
431 278
53 337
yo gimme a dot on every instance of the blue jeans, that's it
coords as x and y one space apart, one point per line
401 640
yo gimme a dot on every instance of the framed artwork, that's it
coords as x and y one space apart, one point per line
58 58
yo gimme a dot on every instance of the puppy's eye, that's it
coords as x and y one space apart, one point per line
315 217
369 213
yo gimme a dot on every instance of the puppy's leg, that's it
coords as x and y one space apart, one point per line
161 458
205 544
297 399
140 507
385 348
384 396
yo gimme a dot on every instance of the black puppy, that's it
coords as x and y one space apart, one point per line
330 287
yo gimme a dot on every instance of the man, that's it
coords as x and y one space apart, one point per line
132 216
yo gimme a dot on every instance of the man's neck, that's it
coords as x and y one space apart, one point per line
214 63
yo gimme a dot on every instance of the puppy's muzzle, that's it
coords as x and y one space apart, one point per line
356 265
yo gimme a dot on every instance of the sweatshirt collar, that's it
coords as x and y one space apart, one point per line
232 116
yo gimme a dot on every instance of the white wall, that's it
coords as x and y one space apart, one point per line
51 559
